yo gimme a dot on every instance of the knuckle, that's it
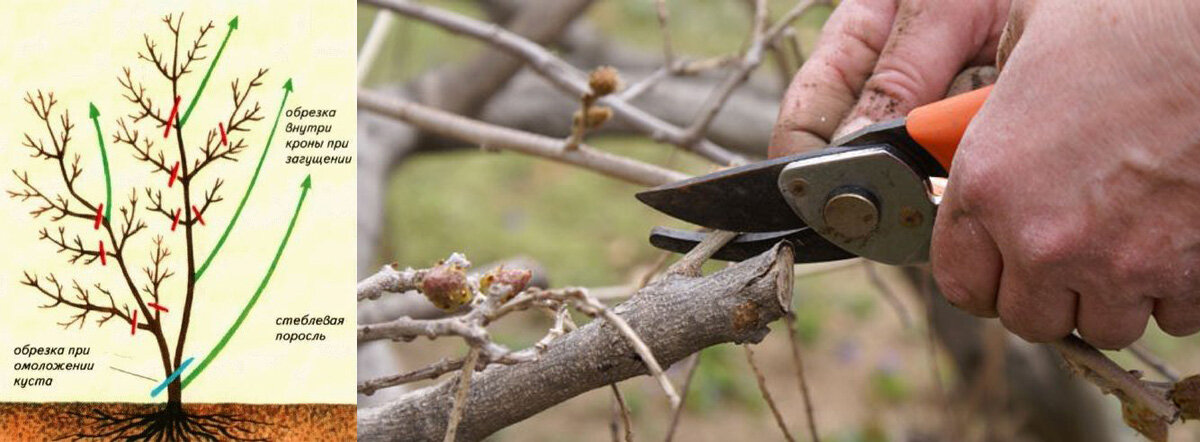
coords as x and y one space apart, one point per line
1132 269
1108 337
1033 323
1176 324
1020 328
1045 246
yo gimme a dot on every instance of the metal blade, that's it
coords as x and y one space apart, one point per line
809 246
741 199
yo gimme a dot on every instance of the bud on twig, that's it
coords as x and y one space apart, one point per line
446 286
604 80
515 279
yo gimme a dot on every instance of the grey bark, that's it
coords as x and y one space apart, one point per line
676 316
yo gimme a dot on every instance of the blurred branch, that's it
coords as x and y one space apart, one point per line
380 27
564 76
766 393
1149 358
887 293
753 58
497 137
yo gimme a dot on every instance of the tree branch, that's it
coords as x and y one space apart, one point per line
565 77
497 137
675 316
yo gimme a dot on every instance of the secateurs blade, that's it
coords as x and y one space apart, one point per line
868 195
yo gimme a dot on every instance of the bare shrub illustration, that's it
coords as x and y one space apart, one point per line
99 238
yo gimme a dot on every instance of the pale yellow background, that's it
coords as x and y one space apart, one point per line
77 50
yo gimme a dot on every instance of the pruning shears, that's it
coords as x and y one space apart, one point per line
871 193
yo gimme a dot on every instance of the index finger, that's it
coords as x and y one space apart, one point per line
829 83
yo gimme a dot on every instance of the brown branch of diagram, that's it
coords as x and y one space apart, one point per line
239 117
59 207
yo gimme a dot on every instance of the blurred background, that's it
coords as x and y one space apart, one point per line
880 367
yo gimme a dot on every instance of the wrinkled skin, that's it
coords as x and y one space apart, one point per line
1074 199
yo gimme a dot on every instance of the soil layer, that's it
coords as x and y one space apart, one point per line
290 422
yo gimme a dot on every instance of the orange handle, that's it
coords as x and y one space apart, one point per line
939 126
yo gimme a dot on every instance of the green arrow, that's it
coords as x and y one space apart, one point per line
305 186
233 25
94 114
287 87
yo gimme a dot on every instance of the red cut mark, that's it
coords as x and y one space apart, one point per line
133 328
175 223
99 216
224 140
197 212
156 307
103 256
174 113
174 174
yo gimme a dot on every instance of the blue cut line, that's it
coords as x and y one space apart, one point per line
170 378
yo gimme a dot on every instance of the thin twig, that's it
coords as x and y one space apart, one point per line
888 294
693 362
668 53
642 350
1149 358
750 61
460 396
624 412
374 43
498 137
691 262
389 279
766 394
790 321
559 73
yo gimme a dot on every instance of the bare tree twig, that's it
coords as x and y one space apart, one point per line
794 341
887 293
498 137
1147 357
460 398
564 76
693 362
663 17
389 279
691 262
624 412
766 393
750 61
676 316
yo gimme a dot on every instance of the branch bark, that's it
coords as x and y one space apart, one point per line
497 137
676 316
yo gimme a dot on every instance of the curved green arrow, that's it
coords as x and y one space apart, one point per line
94 114
233 25
287 87
305 186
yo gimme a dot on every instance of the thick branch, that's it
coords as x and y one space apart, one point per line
676 316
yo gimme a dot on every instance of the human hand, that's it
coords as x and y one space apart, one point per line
1074 198
1070 198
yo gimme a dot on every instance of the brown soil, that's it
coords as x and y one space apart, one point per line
293 422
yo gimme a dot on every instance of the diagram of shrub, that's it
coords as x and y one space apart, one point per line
97 221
